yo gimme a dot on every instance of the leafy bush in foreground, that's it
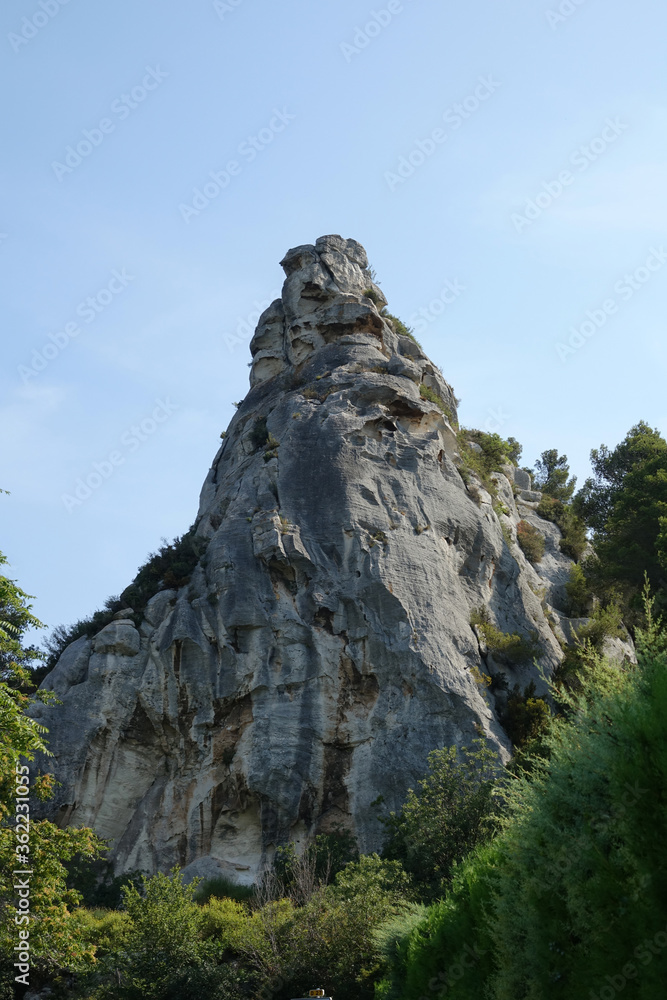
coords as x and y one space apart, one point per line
570 900
449 814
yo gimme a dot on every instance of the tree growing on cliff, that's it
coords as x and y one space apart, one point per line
625 504
552 476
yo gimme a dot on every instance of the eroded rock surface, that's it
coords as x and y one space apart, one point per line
323 645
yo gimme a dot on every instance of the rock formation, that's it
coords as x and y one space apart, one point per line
323 645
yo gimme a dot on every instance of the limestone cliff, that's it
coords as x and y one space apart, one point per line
323 645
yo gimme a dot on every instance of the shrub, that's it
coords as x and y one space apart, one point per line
578 592
426 393
299 876
166 922
574 888
531 541
523 716
157 949
583 656
495 453
371 294
511 645
95 882
399 327
167 569
446 817
108 931
573 540
223 888
259 433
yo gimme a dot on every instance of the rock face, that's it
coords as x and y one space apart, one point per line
323 645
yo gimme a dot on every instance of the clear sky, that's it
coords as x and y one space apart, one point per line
515 150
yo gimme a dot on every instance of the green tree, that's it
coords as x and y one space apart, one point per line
53 940
595 500
570 899
446 817
633 539
332 940
16 618
626 505
552 476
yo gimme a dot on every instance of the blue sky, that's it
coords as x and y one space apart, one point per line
512 151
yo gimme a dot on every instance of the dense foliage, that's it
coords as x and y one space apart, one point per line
46 849
448 815
625 505
570 899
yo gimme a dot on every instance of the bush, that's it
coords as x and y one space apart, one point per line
514 647
426 393
299 876
259 434
531 541
574 888
495 453
573 540
399 326
157 950
286 950
166 922
167 569
446 817
579 596
223 888
523 716
95 882
582 657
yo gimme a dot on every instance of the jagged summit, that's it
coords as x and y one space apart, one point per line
323 645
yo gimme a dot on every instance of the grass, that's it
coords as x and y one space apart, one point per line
426 393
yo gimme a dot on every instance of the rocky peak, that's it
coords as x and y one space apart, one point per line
323 645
